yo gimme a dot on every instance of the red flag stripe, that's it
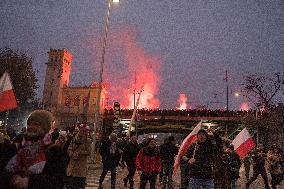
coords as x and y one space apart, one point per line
7 97
245 147
7 100
243 143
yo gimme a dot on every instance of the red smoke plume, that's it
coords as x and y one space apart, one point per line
244 106
182 102
129 69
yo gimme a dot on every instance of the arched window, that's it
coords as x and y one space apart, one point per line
85 100
77 100
67 101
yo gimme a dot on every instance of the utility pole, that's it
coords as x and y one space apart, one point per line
134 91
134 103
227 91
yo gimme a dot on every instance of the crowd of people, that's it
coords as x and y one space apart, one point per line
210 162
186 112
44 157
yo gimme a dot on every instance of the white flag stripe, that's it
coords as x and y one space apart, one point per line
5 82
241 138
193 132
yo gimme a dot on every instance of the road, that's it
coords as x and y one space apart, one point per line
94 174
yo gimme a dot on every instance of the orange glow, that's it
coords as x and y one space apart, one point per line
182 102
244 106
134 62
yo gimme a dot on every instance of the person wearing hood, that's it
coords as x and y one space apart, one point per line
78 151
39 163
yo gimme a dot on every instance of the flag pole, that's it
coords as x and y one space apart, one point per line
195 147
134 113
194 151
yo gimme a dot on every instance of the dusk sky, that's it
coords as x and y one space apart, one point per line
174 46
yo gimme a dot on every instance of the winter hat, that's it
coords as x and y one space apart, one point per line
43 117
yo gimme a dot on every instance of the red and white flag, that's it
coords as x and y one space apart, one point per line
191 138
7 97
243 143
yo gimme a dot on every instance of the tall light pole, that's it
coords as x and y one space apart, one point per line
227 100
227 91
98 100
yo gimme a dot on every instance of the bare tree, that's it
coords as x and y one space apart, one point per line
261 90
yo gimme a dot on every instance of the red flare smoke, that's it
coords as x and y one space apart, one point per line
130 69
244 107
182 102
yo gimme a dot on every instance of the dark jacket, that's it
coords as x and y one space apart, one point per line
258 161
168 152
7 151
108 159
130 152
202 168
235 163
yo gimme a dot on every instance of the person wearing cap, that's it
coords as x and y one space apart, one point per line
78 151
38 164
200 162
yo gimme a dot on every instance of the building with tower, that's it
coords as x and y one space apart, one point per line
70 105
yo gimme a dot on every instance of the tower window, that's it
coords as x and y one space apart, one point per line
52 81
76 100
51 94
67 101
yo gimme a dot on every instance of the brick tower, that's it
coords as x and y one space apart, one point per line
56 78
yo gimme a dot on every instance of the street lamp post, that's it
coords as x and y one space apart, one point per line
98 100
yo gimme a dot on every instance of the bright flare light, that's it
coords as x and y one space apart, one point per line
115 1
182 102
237 94
244 107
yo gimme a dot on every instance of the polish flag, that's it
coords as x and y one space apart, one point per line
243 143
7 97
191 138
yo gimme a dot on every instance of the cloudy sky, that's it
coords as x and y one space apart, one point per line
174 46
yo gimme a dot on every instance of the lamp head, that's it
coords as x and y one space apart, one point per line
115 1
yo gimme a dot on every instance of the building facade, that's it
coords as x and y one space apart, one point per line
70 105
